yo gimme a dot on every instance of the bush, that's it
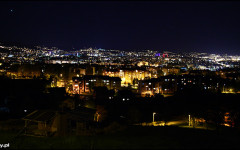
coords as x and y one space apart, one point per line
12 125
114 127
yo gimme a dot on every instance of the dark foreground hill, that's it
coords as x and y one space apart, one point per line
134 137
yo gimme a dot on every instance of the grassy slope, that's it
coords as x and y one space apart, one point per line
134 137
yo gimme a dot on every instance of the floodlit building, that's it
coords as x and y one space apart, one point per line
127 75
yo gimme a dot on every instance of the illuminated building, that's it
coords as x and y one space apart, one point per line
168 71
127 75
85 84
162 85
143 63
202 82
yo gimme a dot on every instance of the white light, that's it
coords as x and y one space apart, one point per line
189 119
153 115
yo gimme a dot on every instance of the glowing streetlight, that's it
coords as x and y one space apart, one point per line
189 119
153 115
98 115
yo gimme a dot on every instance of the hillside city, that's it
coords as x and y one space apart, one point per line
51 92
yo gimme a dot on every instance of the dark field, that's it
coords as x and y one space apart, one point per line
134 137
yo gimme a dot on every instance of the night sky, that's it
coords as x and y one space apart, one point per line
207 26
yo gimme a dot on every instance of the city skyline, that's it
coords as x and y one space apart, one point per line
209 26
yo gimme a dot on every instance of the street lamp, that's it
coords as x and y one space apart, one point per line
189 120
97 115
153 115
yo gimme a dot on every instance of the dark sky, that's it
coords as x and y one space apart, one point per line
207 26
